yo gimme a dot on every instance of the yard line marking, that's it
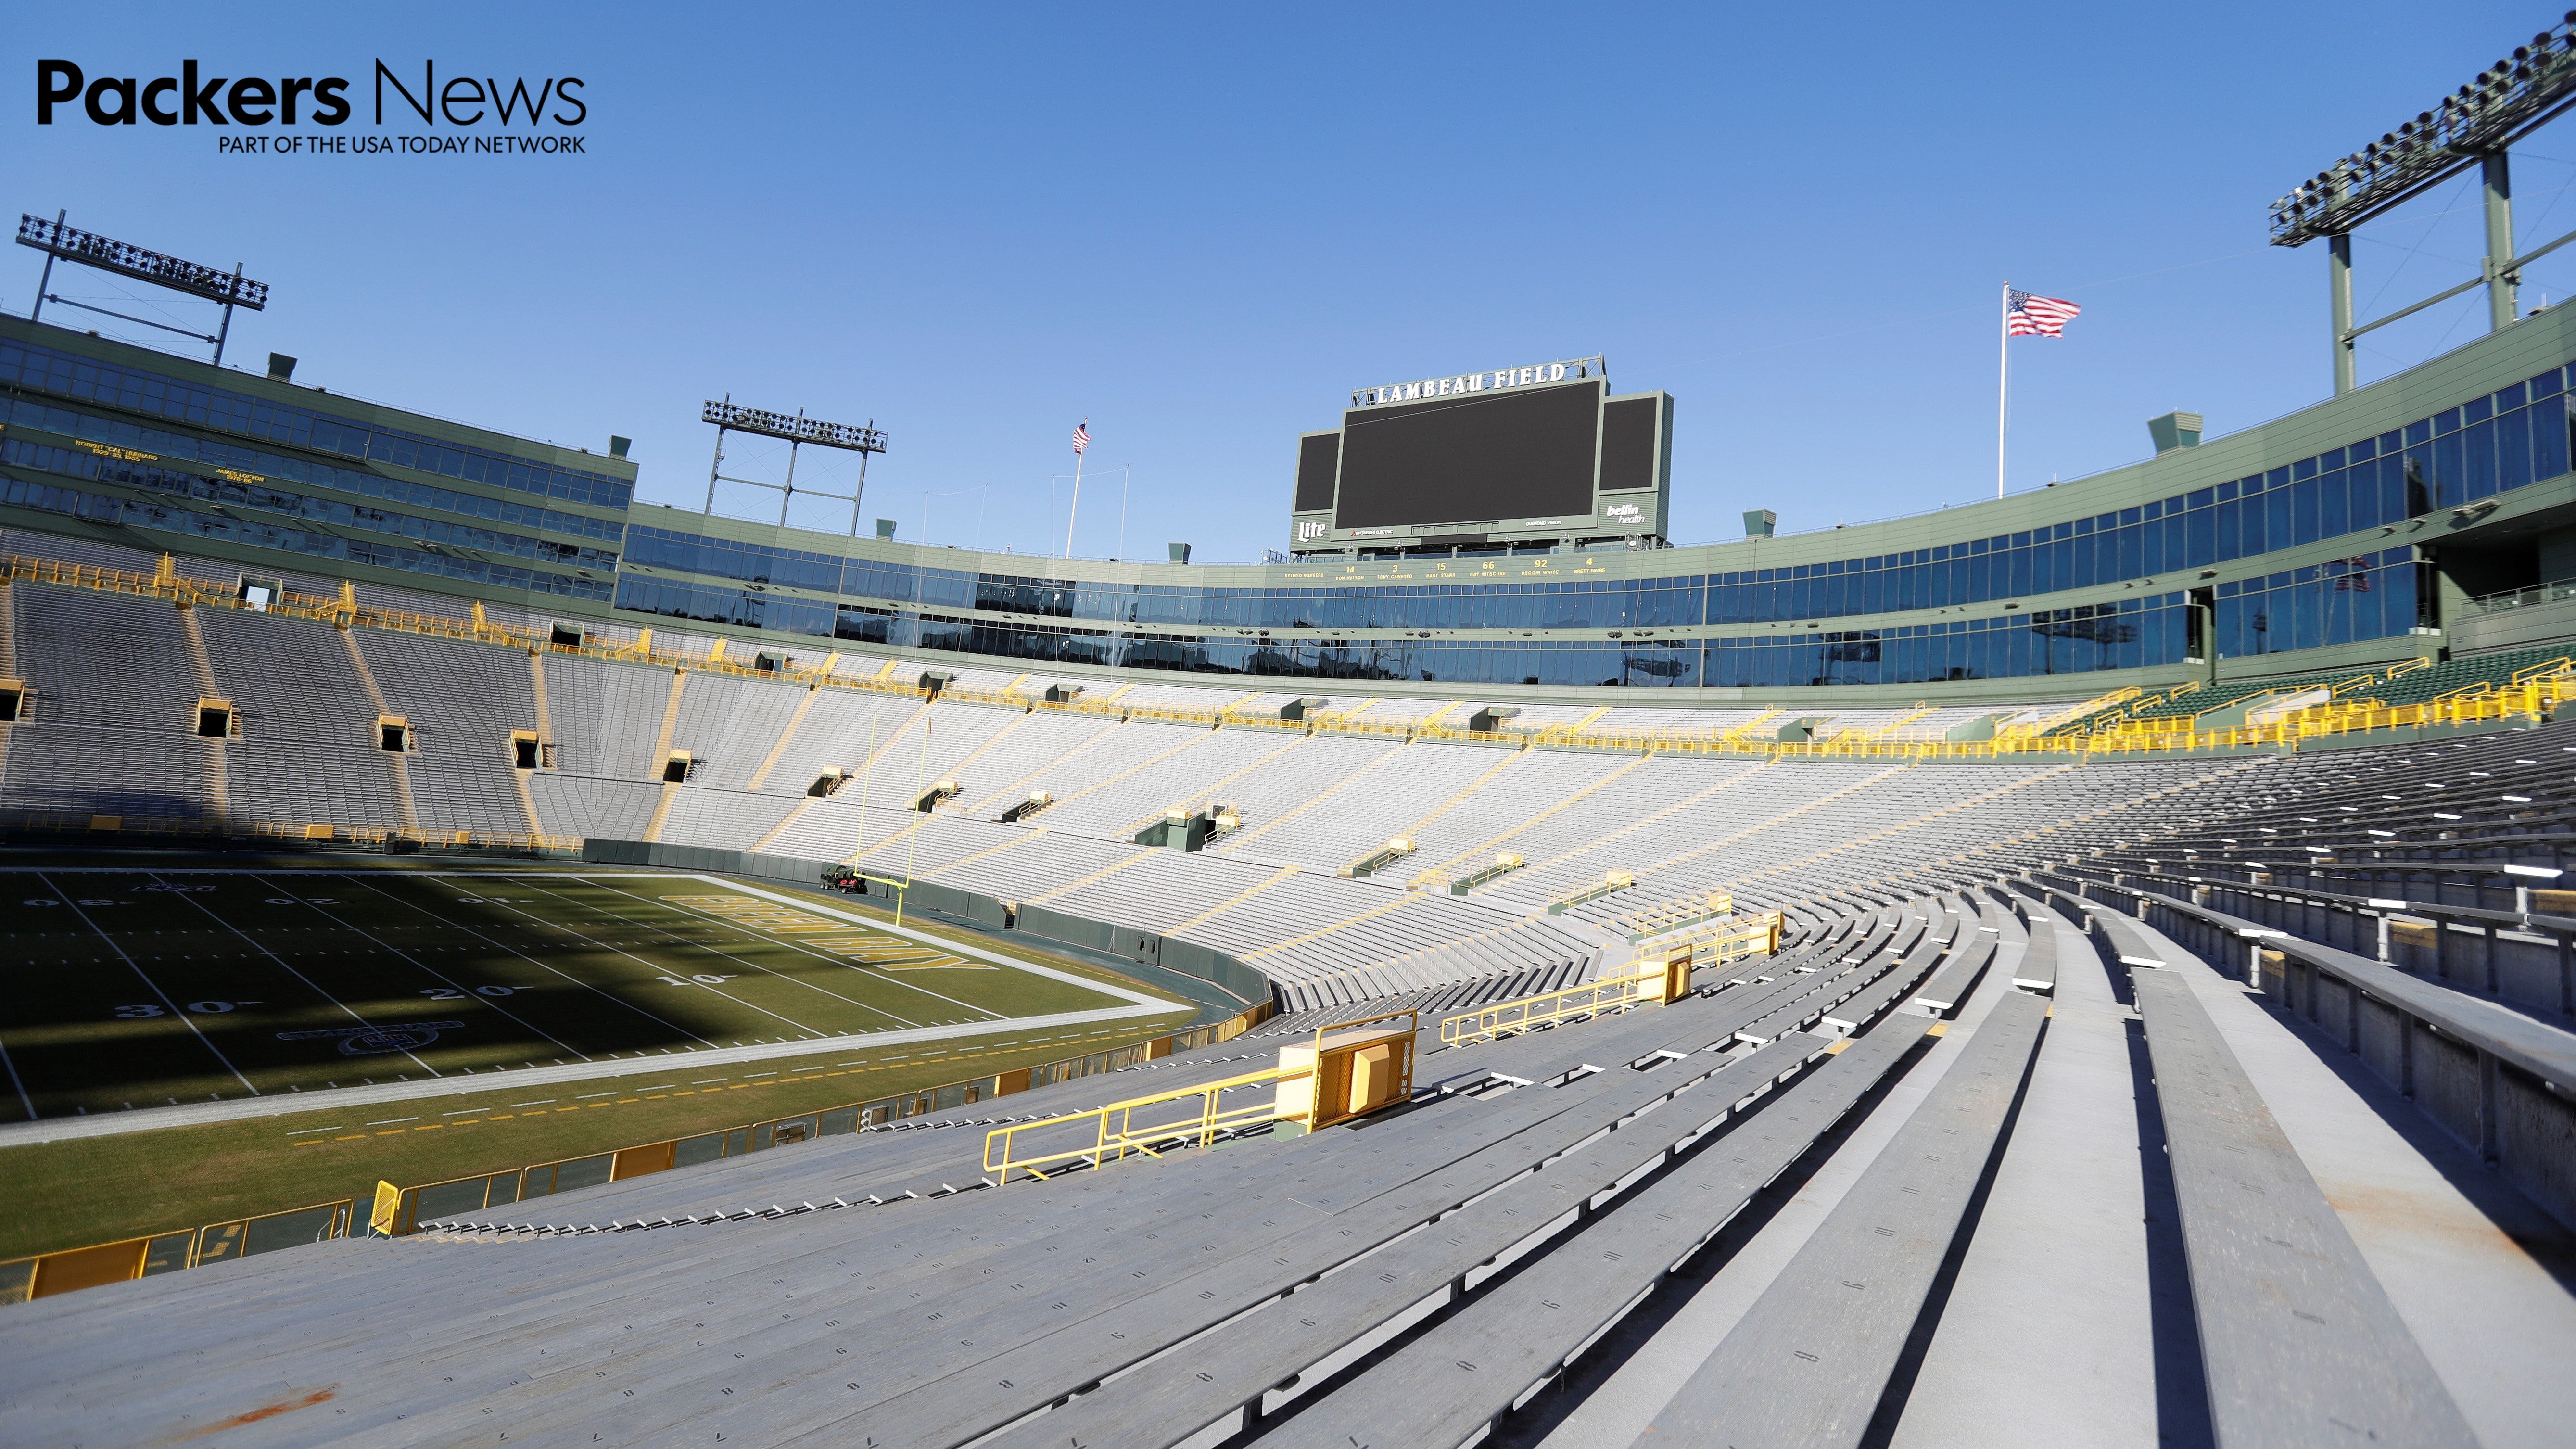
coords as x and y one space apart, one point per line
541 1101
14 1082
846 964
608 946
67 899
586 1096
452 983
806 902
389 1120
533 961
300 1131
674 936
209 914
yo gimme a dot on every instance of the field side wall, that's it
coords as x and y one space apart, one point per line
1144 947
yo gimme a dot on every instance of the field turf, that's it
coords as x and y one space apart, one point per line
138 988
262 989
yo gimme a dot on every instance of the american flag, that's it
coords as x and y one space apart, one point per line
1082 435
2357 581
2029 316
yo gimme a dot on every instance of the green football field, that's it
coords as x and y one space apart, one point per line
137 988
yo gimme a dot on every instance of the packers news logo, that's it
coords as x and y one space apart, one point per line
253 113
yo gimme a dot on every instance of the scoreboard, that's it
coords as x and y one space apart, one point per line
1518 455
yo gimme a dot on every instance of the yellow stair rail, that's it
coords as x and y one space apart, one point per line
1343 1073
1554 1008
1659 984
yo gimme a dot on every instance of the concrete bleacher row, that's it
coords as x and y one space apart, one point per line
1270 892
1318 802
2285 1161
1973 1169
1805 837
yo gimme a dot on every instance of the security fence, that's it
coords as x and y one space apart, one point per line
47 1274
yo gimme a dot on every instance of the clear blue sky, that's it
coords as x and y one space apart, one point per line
1200 226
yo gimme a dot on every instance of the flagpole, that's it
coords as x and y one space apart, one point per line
1126 475
2003 379
1071 513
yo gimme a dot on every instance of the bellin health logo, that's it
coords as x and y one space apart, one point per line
191 98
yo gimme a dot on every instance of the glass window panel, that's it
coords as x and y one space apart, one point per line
2549 437
2513 448
2479 460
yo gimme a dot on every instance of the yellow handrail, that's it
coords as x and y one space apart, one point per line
1552 1008
1610 994
76 822
1113 1143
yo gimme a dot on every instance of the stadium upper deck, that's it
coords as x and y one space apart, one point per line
2367 528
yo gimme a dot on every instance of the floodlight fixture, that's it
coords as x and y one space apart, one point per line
797 430
2476 125
62 242
2506 102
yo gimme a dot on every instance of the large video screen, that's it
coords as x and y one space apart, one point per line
1481 457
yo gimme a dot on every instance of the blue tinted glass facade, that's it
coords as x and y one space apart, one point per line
2367 596
2507 440
116 432
2512 438
100 508
217 489
2129 634
43 369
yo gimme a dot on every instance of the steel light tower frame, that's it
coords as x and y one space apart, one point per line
2475 126
798 431
60 242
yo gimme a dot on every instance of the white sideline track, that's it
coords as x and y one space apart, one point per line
191 1114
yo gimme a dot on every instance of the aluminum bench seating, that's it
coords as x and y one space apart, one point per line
1810 1360
729 725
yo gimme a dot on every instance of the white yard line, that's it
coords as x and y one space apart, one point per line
103 1124
23 1099
744 962
66 898
280 963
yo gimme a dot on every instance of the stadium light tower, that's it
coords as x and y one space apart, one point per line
2474 126
87 248
798 431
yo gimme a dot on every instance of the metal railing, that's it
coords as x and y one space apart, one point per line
46 1274
1554 1008
1653 983
1727 937
1117 1132
2549 593
300 832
